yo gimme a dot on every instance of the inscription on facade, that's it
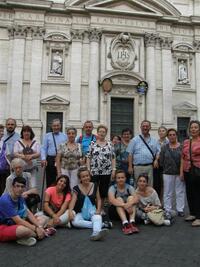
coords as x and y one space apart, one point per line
123 22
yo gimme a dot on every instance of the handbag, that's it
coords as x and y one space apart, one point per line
193 170
156 216
88 209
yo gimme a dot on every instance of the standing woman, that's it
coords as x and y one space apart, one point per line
158 172
28 149
191 157
122 154
101 162
170 160
68 158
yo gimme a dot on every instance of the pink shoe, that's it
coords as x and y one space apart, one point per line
50 231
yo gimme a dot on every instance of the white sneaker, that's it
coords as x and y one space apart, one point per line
99 235
30 241
167 222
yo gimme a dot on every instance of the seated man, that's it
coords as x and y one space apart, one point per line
30 193
123 200
16 221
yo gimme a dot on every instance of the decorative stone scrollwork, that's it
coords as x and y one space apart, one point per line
196 44
25 31
94 35
77 35
166 42
122 52
150 39
57 41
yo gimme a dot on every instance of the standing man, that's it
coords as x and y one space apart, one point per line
143 153
49 149
86 139
7 150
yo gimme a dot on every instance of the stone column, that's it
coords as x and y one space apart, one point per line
150 42
197 82
93 93
16 69
166 43
36 73
75 79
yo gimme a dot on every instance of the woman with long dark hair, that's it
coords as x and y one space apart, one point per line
189 162
28 149
56 201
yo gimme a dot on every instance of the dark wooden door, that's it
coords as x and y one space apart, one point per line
182 127
122 115
51 116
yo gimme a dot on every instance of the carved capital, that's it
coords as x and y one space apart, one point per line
94 35
150 39
37 32
18 32
196 45
24 31
77 35
166 42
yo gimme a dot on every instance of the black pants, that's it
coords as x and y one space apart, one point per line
158 181
3 177
51 171
192 183
103 182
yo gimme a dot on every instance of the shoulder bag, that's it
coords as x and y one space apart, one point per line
193 170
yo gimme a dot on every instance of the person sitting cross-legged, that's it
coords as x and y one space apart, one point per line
17 222
56 202
85 206
123 201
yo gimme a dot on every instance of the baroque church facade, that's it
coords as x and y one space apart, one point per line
110 61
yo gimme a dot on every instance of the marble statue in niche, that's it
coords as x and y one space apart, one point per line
57 62
182 71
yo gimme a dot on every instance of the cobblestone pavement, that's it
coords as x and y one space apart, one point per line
174 246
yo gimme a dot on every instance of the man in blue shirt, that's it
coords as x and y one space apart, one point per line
143 157
86 139
49 148
9 138
16 221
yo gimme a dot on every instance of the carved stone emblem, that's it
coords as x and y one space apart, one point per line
122 52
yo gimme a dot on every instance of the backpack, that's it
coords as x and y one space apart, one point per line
27 150
4 162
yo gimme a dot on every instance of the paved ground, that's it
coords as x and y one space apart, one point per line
177 245
174 246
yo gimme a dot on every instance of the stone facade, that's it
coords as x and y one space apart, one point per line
56 55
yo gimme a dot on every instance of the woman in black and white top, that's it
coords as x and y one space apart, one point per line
170 160
101 162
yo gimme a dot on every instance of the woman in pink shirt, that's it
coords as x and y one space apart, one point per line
191 153
56 201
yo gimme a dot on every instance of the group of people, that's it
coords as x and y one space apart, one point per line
91 180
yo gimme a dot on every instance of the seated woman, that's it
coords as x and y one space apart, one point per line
56 202
148 200
30 193
122 196
87 191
